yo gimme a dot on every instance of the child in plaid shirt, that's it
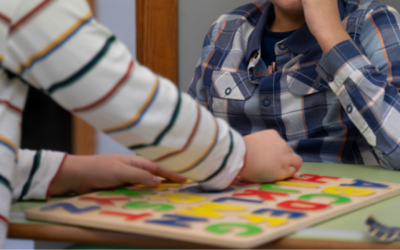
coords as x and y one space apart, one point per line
323 74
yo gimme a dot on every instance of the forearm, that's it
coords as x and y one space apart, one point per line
367 98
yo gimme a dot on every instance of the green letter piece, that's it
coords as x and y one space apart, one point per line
145 204
222 228
340 199
274 187
127 192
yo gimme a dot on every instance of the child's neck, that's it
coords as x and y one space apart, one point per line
285 21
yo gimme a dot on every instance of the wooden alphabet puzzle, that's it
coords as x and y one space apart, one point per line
243 216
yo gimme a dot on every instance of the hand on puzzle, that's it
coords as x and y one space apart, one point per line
82 174
269 158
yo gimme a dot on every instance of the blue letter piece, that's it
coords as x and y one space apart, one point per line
368 184
277 212
236 199
71 208
177 220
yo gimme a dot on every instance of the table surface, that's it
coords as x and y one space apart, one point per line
346 231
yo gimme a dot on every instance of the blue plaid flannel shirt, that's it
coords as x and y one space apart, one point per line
342 107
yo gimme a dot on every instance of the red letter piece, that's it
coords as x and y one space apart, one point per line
302 205
103 201
265 195
314 178
129 217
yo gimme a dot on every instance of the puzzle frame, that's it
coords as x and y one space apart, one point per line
244 216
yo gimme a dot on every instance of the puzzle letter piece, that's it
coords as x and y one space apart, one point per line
145 205
302 205
271 221
368 184
265 195
222 228
207 210
296 184
274 187
162 186
223 199
103 201
314 178
71 208
278 212
177 220
127 192
129 217
178 198
348 190
339 199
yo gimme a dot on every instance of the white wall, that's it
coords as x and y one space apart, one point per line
195 19
120 17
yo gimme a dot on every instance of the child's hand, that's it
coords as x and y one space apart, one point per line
269 158
82 174
323 20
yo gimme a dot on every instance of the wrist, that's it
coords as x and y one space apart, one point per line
65 180
247 158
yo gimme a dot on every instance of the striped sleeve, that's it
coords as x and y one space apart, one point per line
12 101
82 66
34 174
366 79
5 196
3 230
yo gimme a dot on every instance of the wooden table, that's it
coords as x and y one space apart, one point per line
344 232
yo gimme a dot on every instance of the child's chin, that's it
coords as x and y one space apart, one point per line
288 5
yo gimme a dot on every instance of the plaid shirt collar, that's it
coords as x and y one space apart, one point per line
300 42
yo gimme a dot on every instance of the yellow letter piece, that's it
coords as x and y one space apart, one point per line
200 211
349 191
178 198
207 210
290 183
162 186
271 221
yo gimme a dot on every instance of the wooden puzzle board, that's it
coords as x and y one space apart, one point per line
244 216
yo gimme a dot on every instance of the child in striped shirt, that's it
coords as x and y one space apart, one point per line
58 47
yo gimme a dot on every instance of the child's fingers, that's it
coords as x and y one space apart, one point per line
156 169
160 171
139 176
295 161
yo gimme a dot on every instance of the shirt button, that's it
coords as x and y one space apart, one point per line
267 102
349 109
282 46
228 91
331 79
256 55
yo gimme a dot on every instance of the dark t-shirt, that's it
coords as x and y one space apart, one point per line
268 46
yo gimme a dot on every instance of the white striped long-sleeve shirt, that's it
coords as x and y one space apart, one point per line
58 47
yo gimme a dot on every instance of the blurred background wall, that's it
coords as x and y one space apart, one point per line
120 17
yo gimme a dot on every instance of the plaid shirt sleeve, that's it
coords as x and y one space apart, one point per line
366 79
197 88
